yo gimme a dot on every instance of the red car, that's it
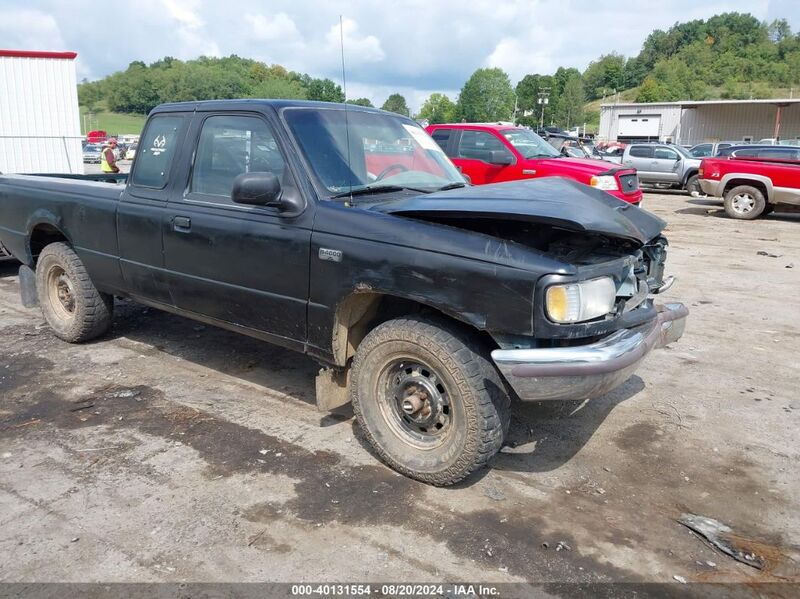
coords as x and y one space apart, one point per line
495 153
752 186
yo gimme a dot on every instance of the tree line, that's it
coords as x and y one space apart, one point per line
731 55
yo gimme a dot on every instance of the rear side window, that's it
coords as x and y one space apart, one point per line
786 154
156 151
442 137
641 151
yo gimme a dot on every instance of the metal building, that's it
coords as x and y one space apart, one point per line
691 122
39 118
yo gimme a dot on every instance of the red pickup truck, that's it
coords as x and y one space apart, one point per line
752 187
489 153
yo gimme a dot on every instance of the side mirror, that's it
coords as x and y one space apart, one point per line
257 189
501 158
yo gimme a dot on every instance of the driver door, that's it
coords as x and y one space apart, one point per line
242 265
479 154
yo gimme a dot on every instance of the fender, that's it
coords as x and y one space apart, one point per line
42 216
766 181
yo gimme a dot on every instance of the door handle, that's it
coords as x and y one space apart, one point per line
182 224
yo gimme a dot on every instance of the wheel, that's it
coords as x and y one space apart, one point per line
71 304
428 400
744 202
693 185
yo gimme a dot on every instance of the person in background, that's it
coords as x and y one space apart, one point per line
108 159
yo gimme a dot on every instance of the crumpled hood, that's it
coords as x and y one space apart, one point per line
550 200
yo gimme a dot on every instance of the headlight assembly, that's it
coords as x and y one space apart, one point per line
578 302
604 182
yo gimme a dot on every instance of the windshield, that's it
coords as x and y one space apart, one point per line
682 151
529 144
385 151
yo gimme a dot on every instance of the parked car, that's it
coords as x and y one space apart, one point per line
761 151
130 154
429 302
662 165
704 150
497 153
752 186
92 153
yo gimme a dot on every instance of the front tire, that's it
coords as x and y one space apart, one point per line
693 185
744 202
71 304
428 400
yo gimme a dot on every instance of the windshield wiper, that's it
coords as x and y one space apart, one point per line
377 189
451 186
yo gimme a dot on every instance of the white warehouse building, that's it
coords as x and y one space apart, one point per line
692 122
39 118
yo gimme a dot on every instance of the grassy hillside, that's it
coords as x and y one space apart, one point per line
114 122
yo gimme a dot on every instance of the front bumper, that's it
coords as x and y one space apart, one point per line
586 371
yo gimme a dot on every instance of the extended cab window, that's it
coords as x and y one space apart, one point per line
479 145
156 150
230 146
641 151
704 150
442 137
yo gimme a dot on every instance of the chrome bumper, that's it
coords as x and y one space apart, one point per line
586 371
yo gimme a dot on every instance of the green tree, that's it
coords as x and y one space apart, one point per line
605 73
571 101
438 108
529 110
275 87
323 90
396 103
361 102
649 91
487 96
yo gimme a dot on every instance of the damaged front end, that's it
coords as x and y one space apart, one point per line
595 319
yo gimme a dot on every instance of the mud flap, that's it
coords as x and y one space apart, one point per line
332 388
27 287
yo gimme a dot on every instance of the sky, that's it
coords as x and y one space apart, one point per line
414 47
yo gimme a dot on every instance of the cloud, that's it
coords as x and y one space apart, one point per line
412 45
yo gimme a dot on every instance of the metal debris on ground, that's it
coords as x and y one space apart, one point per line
680 579
723 538
767 254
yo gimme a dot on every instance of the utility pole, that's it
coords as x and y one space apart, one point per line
544 100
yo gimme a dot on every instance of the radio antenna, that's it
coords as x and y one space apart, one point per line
346 123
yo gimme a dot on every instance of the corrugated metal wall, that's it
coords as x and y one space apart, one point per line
709 122
39 119
734 122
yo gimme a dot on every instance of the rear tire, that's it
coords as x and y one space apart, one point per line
71 304
744 202
428 400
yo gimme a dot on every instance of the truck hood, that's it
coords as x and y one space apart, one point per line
585 166
553 201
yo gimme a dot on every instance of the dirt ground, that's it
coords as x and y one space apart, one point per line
172 451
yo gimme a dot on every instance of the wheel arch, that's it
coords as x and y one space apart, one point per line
361 311
43 229
764 186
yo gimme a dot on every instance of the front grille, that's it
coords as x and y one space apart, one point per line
629 183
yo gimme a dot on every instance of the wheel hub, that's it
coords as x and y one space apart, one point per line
743 203
418 399
64 293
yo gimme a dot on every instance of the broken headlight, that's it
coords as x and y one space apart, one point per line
577 302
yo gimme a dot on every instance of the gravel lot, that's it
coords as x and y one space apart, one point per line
171 451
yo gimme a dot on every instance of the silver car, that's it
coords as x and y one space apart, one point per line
663 165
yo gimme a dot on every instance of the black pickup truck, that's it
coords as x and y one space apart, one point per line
345 233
